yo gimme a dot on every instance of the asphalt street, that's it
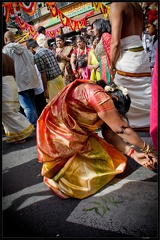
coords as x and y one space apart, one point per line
125 208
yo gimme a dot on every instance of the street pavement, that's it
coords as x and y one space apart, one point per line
125 208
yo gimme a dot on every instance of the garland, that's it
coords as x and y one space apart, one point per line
31 9
8 8
33 31
102 7
26 8
73 24
54 11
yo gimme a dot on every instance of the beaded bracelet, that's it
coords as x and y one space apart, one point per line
131 152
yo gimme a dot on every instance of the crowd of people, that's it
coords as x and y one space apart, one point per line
102 79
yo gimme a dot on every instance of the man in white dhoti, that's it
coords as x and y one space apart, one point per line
16 126
129 61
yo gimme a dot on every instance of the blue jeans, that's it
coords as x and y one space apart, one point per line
26 99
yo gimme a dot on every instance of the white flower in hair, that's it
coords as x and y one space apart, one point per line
109 89
123 90
120 88
113 87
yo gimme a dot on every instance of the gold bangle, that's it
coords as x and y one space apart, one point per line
146 148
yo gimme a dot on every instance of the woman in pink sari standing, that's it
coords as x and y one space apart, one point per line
102 29
79 55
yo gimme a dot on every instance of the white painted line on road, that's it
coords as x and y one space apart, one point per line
21 200
20 157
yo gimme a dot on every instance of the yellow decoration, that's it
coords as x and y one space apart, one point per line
24 38
101 6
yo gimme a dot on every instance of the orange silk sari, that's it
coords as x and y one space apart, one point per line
76 161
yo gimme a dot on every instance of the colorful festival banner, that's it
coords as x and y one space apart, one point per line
33 31
12 10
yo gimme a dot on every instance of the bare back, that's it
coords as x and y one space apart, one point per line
131 17
126 20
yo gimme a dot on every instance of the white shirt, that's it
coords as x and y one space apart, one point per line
40 89
41 39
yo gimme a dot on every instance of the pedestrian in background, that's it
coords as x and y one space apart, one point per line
102 30
93 63
81 50
25 75
40 100
16 126
129 61
41 38
63 56
47 65
152 30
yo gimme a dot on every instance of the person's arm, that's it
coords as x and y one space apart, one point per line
40 63
72 61
73 65
44 80
67 58
7 65
114 120
116 20
118 133
89 65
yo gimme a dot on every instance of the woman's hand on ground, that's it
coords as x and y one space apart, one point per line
146 160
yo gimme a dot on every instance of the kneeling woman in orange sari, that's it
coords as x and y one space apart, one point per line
76 161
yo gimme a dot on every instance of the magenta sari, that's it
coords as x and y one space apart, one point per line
154 106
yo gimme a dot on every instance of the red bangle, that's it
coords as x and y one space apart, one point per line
131 152
75 71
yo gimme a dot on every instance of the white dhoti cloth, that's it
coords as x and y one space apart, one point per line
133 72
16 125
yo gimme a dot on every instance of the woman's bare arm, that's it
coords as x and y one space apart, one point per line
119 134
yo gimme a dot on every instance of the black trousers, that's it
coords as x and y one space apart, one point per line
40 102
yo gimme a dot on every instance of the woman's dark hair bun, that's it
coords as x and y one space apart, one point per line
121 101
